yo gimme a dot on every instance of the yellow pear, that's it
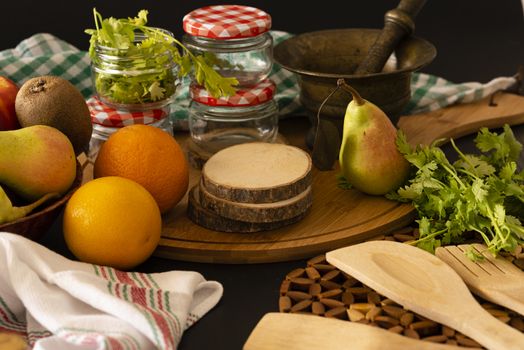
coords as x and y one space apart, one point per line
369 158
36 160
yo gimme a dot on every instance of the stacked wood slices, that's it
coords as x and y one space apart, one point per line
252 187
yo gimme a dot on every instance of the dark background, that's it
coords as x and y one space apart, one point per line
470 35
476 40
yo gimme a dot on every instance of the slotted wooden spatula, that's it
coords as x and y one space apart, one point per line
426 285
309 332
494 279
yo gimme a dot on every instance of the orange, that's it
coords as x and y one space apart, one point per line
149 156
112 221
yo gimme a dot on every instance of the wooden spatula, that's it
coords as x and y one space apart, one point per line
426 285
494 279
309 332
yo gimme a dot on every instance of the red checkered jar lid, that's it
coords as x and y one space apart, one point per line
245 97
227 22
102 114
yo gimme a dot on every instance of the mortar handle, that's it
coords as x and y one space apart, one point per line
398 23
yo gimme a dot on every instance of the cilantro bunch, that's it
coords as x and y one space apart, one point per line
142 73
481 193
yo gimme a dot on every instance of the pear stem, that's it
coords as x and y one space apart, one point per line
356 96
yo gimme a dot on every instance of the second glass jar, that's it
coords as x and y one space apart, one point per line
233 39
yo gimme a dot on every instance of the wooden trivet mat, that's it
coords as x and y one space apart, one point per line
322 289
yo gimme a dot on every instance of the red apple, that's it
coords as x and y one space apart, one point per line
8 91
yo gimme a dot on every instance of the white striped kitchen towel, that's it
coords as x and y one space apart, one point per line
56 304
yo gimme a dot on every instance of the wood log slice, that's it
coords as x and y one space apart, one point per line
257 173
198 156
210 220
257 212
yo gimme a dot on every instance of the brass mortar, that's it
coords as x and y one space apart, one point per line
320 58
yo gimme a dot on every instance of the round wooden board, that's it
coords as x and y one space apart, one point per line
338 217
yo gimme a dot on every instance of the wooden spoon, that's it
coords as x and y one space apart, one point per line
308 332
494 278
426 285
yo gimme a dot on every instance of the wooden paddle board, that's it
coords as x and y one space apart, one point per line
337 217
308 332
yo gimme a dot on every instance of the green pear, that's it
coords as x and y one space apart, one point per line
36 160
369 158
8 212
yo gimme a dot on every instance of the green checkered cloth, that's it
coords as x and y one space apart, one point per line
45 54
429 93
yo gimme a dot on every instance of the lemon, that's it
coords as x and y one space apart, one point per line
112 221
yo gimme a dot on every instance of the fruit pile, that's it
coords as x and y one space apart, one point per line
141 172
43 125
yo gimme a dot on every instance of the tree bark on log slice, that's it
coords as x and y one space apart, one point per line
210 220
257 212
257 173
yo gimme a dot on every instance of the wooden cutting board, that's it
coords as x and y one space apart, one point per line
338 217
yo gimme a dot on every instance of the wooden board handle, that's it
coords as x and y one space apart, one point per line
460 120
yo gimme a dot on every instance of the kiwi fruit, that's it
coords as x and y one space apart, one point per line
53 101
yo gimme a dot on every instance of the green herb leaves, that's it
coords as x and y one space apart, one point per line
478 193
135 63
214 83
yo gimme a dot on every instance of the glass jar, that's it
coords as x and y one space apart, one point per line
107 120
135 79
233 39
250 115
